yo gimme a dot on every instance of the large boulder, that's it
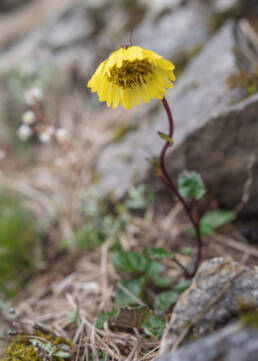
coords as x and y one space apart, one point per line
213 300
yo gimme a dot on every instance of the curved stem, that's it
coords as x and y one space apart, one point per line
166 179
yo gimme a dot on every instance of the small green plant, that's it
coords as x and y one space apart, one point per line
21 78
164 300
105 219
246 80
139 197
143 273
155 327
73 317
19 242
190 185
142 269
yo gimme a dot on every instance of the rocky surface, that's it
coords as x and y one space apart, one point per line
212 300
232 343
209 117
83 31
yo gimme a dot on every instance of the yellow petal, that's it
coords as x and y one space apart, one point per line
109 94
116 97
131 74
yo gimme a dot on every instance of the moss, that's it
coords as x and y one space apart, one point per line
246 80
19 240
239 55
53 339
122 130
248 314
20 348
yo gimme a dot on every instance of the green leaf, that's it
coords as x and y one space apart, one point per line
212 220
155 326
190 185
134 287
73 316
215 219
154 268
187 250
160 253
182 286
62 354
164 300
130 261
89 236
46 346
166 137
139 264
153 274
139 197
161 281
206 229
104 316
101 320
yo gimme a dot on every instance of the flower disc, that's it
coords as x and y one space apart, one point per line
131 74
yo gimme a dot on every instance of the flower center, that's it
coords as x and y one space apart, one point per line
131 74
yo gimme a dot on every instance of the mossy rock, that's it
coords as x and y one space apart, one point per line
246 80
39 347
19 243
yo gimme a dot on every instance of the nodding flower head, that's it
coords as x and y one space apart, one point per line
132 74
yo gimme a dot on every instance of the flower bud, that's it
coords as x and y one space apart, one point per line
29 117
46 135
33 95
62 135
24 132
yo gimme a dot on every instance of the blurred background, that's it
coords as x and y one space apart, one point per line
62 152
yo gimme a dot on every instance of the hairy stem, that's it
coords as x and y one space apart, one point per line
166 179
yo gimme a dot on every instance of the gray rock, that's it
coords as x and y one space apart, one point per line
169 34
8 5
232 343
212 300
160 25
61 34
214 130
72 28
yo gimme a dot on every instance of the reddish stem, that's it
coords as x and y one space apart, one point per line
40 114
166 179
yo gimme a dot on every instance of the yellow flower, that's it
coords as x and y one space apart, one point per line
131 74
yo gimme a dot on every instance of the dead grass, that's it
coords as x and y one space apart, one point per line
88 285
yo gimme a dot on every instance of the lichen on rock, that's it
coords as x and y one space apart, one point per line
212 301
